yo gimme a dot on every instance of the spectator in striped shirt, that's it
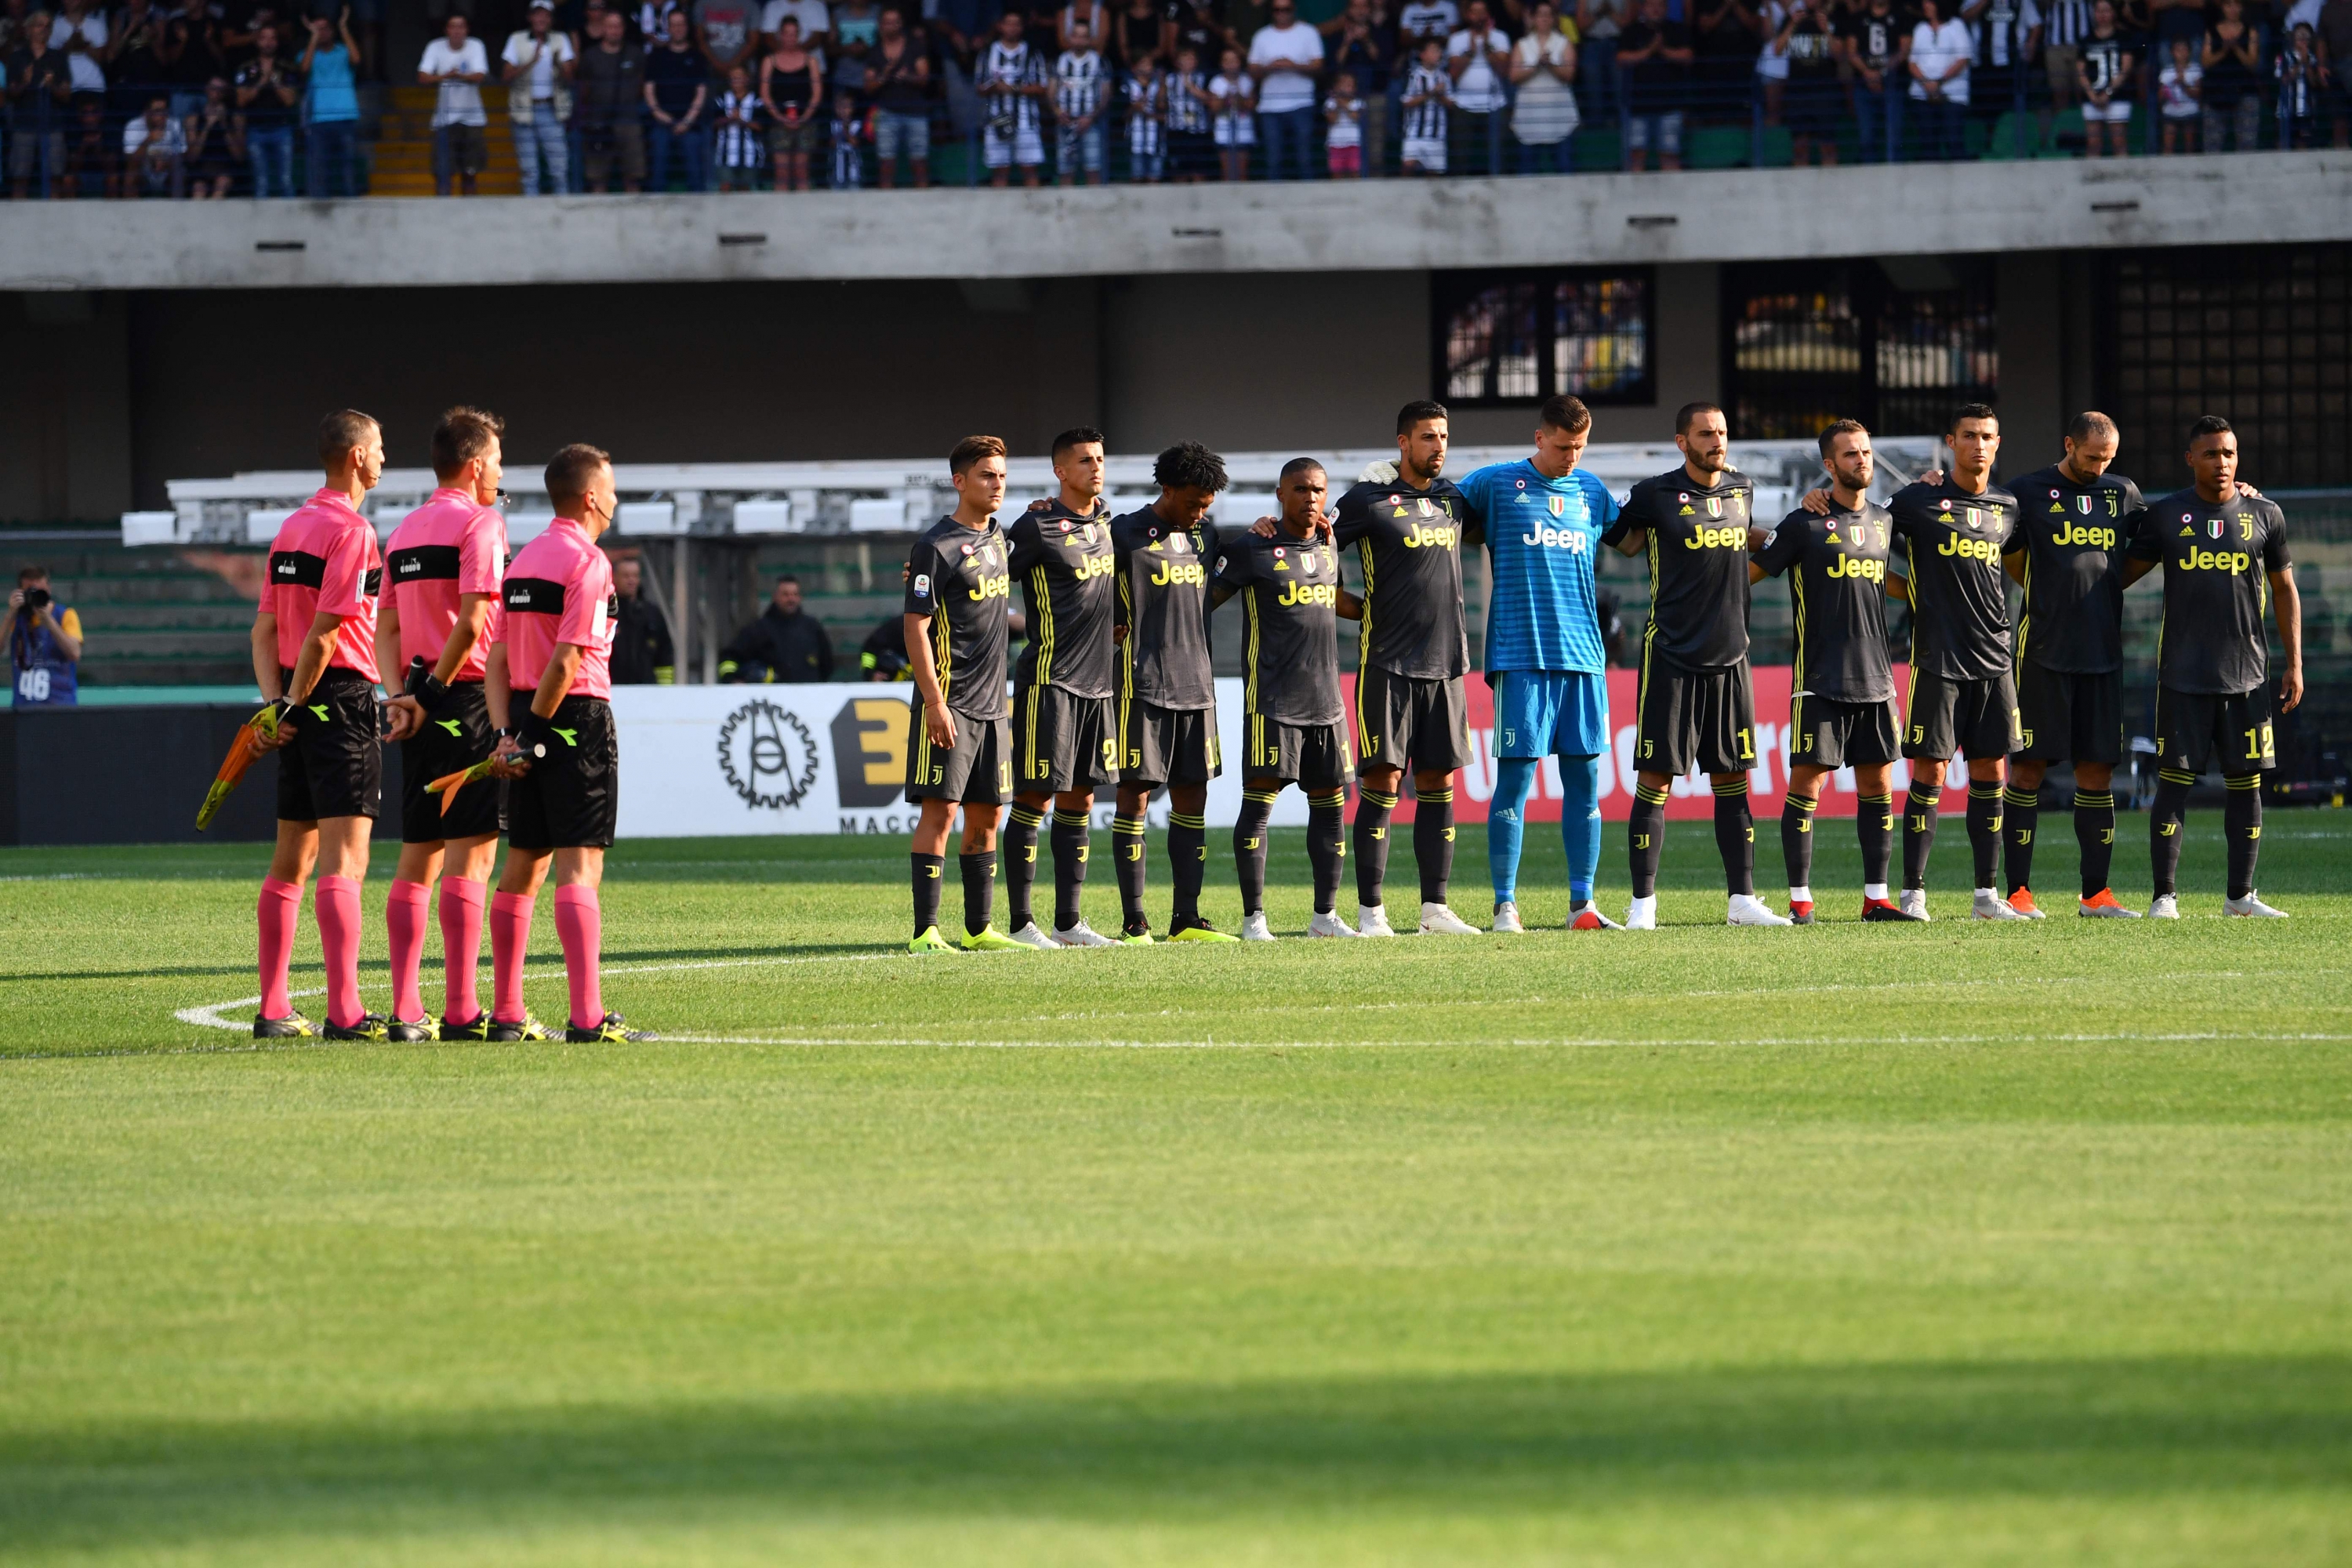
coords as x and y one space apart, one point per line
1012 82
1231 91
1146 115
738 149
2066 22
1078 108
1428 88
1192 151
848 131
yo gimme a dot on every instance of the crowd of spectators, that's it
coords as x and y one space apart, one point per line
216 95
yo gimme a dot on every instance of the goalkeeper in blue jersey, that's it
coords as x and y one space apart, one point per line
1542 518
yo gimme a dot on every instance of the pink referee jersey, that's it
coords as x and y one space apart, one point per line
559 590
450 546
324 559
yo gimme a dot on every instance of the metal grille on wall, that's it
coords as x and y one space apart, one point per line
1511 338
2261 335
1808 343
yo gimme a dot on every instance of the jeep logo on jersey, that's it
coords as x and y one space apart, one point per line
767 755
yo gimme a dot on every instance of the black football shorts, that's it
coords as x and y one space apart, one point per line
1694 717
1826 733
1312 756
976 770
2062 717
571 799
1168 745
1062 741
334 764
2196 730
457 737
1403 718
1978 719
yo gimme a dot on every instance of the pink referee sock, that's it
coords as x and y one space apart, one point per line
279 910
337 905
461 947
404 924
509 937
580 923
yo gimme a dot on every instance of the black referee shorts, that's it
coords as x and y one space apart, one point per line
1064 741
976 770
2062 717
1402 719
1977 719
1694 717
1826 733
334 766
1168 745
572 797
457 737
2231 731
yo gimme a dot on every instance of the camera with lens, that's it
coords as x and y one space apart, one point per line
36 599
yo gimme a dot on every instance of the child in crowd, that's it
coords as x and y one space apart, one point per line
738 149
849 131
2179 88
1146 121
2301 78
1427 92
1344 141
1232 94
1191 148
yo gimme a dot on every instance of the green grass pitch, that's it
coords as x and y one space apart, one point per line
1961 1244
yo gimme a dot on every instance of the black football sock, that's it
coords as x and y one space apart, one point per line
2164 816
1188 863
1873 824
1019 849
1128 860
1984 831
1646 837
1069 866
2241 821
1372 814
928 871
1433 842
2094 835
1918 835
1327 846
2021 819
1797 838
1735 837
978 888
1249 848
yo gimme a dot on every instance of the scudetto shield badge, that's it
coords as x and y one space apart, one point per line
1558 506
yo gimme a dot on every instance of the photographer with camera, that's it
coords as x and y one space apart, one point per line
44 643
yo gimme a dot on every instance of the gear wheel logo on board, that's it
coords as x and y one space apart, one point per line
768 755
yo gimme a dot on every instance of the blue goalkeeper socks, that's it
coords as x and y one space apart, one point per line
1514 778
1579 823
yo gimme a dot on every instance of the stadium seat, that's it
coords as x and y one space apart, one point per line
1717 147
2065 136
1597 152
1778 149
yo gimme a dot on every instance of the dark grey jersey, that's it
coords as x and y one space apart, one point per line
2217 557
1951 544
1289 589
1836 567
959 577
1163 603
1698 566
1064 563
1408 542
2073 538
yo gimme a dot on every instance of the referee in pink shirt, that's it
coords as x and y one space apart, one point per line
314 655
549 687
443 567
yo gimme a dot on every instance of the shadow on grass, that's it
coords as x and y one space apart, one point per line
1159 1452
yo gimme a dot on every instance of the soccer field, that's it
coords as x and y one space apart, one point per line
1963 1244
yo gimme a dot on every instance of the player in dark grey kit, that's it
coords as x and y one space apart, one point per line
1295 726
1413 650
2075 521
2225 561
960 753
1697 704
1167 697
1950 537
1065 727
1841 710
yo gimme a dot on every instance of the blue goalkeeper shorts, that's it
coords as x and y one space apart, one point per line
1550 713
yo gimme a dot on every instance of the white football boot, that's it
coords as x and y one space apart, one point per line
1030 936
1372 920
1991 906
1641 915
1333 923
1507 918
1082 935
1913 901
1436 919
1253 927
2252 907
2164 907
1748 909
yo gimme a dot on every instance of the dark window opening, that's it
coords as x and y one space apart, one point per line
1507 339
1809 343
